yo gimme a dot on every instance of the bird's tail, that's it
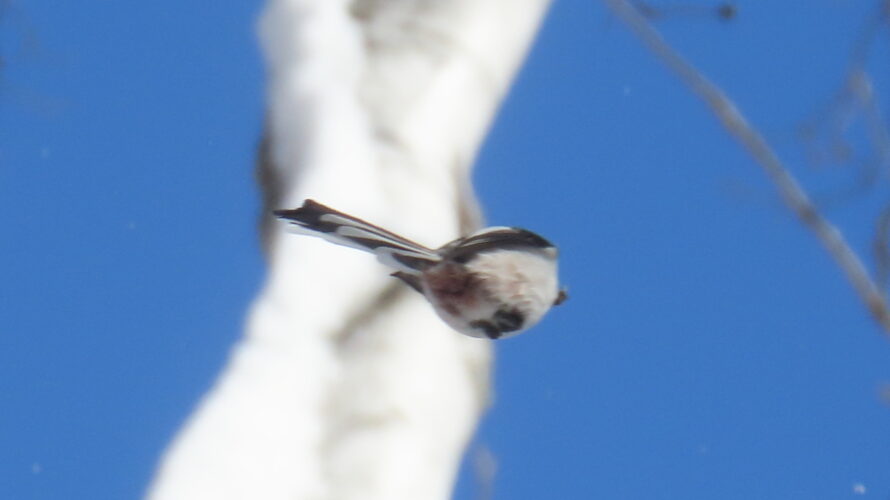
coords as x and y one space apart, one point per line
400 253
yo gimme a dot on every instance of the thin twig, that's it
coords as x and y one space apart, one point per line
725 11
789 189
881 247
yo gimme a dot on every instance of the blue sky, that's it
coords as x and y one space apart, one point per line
710 349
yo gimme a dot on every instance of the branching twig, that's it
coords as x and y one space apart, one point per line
855 100
789 189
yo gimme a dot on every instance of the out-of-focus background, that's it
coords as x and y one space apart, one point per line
710 348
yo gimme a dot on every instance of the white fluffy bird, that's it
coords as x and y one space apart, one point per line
495 283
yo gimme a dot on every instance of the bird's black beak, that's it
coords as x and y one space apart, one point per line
561 297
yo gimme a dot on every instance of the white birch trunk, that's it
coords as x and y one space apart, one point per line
347 385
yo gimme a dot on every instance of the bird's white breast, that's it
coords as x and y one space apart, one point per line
527 279
468 296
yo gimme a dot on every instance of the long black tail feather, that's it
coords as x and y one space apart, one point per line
343 229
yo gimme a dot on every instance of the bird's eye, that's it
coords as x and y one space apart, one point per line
560 297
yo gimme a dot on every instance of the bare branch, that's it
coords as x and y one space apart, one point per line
790 190
881 247
725 11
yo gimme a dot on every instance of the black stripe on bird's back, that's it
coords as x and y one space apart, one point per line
464 249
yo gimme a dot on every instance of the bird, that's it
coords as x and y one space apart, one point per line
494 283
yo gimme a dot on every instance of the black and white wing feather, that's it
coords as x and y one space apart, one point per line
393 250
